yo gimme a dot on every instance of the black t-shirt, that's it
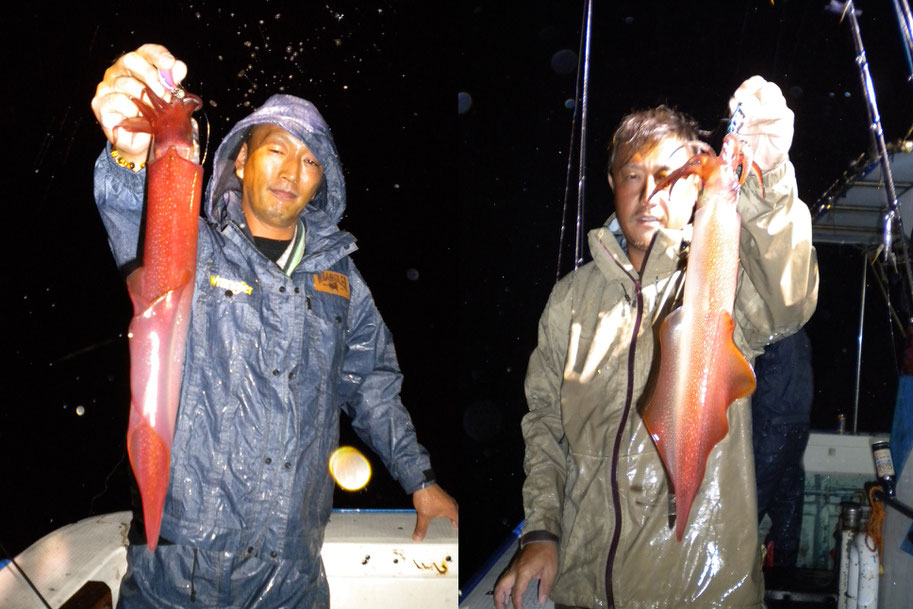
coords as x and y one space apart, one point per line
272 248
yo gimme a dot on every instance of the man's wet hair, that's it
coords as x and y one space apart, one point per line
644 129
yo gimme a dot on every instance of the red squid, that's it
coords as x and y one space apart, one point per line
701 370
161 291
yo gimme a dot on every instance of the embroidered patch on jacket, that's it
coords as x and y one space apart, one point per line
234 285
332 283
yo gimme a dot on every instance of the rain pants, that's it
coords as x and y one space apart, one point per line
780 418
271 359
595 483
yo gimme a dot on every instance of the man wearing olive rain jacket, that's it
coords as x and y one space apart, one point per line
274 350
596 488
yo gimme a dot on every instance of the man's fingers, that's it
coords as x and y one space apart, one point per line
161 58
546 581
144 64
111 111
156 53
119 104
452 511
751 86
130 87
770 93
140 68
502 589
752 93
421 527
178 71
544 591
519 589
127 80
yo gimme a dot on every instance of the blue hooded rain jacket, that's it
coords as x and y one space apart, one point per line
271 358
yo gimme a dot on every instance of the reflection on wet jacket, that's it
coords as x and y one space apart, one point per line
595 481
271 359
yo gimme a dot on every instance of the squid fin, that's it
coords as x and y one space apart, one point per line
685 429
150 459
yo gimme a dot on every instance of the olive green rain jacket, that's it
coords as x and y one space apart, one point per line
595 481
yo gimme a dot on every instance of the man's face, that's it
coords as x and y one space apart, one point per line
633 182
279 176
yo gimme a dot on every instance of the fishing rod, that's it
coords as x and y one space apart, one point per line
581 176
892 215
580 104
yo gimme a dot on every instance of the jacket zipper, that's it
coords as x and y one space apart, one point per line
616 499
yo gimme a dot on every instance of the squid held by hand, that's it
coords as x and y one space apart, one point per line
161 291
701 370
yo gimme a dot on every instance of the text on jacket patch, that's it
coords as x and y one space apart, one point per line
230 284
332 283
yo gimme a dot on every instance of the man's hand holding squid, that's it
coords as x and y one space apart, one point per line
126 79
768 126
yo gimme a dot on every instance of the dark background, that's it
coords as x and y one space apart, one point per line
457 214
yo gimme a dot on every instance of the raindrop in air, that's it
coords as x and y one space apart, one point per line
412 274
564 62
464 102
80 410
570 103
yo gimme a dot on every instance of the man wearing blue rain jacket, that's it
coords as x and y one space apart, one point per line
283 334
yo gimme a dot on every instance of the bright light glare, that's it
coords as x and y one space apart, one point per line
350 468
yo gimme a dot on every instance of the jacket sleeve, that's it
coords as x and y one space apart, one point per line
778 279
369 392
119 197
545 458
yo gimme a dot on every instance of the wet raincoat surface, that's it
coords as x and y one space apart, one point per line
595 481
272 357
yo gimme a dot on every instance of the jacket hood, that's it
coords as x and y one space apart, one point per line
300 118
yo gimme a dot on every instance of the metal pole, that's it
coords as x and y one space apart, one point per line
865 270
877 134
905 19
905 32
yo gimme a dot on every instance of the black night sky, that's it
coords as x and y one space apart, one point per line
457 213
